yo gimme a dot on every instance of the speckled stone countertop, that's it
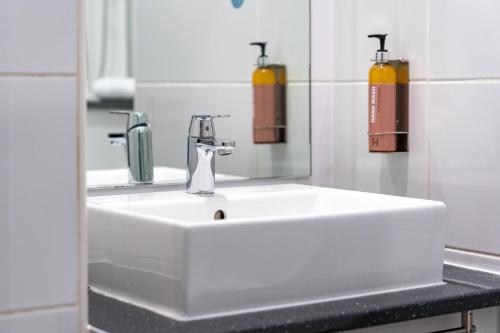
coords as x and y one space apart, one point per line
464 290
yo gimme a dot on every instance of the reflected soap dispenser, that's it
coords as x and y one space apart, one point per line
269 100
382 131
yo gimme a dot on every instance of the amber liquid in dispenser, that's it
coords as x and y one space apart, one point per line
382 101
382 108
264 90
269 98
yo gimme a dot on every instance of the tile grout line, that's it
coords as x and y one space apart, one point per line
81 193
428 104
80 129
427 81
331 178
464 80
38 75
36 309
212 83
321 83
353 170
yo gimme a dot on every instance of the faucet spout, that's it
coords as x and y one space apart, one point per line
202 145
138 142
222 147
225 147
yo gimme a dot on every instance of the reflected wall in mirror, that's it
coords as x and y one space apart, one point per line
165 61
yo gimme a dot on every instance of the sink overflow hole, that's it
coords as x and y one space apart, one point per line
219 215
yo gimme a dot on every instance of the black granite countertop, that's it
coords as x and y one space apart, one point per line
464 290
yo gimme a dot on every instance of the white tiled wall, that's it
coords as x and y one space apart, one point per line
454 109
100 154
453 47
211 42
321 92
465 160
41 195
464 42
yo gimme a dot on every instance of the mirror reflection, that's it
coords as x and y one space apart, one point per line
199 89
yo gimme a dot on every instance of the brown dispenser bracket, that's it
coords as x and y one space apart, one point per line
402 67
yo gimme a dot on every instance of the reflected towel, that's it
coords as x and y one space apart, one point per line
114 88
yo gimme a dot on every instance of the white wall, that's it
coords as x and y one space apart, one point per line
454 118
41 193
100 154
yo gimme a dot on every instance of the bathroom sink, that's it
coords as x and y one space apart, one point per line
119 177
252 248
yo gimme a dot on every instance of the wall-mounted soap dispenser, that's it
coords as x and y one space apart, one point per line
387 102
269 100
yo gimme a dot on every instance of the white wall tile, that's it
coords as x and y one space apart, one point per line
286 28
60 320
38 36
345 63
403 20
38 229
465 162
100 154
390 173
173 35
464 39
322 40
169 49
344 134
322 134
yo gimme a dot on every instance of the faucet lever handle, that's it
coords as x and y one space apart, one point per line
134 118
210 116
202 126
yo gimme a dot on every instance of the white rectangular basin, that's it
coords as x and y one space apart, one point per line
279 245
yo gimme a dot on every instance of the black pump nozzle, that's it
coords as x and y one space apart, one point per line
262 59
262 47
381 55
381 38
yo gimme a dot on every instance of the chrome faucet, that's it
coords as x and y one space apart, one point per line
138 142
202 145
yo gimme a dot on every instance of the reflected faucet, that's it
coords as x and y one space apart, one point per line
202 145
138 142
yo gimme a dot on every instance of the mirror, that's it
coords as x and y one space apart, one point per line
152 65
